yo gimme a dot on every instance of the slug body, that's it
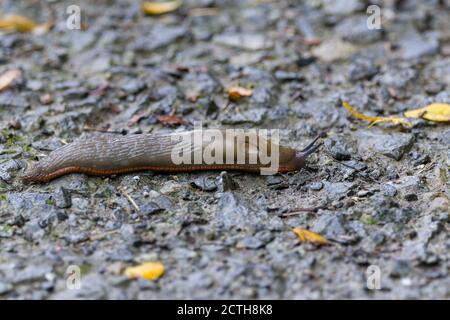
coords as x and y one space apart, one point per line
110 154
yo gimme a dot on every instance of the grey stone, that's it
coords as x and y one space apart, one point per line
338 148
159 37
150 208
354 29
254 116
330 225
417 46
205 183
392 145
246 41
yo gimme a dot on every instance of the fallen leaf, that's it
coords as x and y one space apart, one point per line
156 8
170 120
146 270
309 236
8 77
374 120
24 24
17 23
438 112
235 93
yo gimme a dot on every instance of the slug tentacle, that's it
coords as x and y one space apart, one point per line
109 154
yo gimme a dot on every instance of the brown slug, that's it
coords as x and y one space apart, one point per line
110 154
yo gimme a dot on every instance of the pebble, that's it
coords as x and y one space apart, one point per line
207 184
253 116
338 148
417 46
245 41
392 145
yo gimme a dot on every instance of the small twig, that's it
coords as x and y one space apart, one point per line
133 203
298 211
338 161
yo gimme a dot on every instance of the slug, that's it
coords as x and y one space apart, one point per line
110 154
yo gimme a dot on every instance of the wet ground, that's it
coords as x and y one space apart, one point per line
383 192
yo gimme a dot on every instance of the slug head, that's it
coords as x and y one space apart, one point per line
301 155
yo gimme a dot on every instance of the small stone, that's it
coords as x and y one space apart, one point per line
254 116
338 148
170 187
392 145
329 225
246 41
400 268
77 237
150 208
355 30
389 190
205 184
362 68
338 190
417 46
250 243
159 37
62 198
11 100
132 86
315 186
7 167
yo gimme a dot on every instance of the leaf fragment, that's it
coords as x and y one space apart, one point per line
374 120
23 24
146 270
17 23
438 112
8 77
309 236
235 93
157 8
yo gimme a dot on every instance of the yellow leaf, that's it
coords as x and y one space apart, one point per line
155 8
375 120
8 77
309 236
146 270
17 23
23 24
235 93
439 112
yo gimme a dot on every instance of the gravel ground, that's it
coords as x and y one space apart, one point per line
383 191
